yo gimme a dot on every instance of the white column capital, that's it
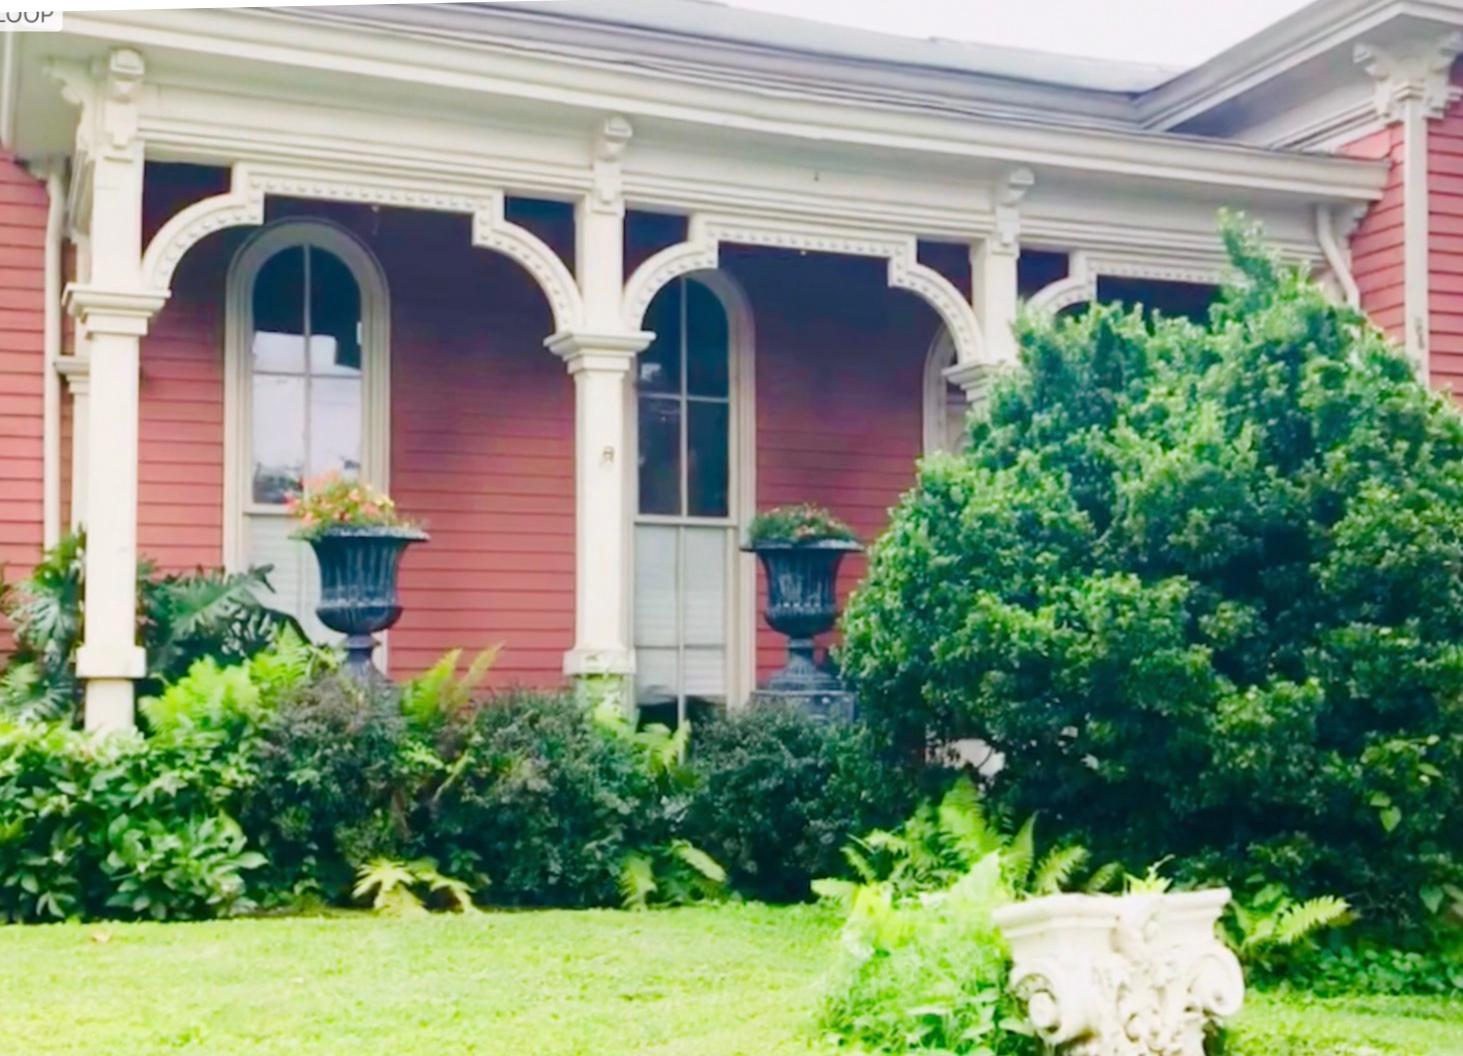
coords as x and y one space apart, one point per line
976 379
77 372
101 310
1411 71
583 350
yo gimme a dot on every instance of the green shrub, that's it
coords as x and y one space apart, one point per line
120 826
327 796
779 794
134 826
1203 587
546 802
181 619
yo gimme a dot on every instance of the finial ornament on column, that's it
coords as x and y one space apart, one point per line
610 140
1416 69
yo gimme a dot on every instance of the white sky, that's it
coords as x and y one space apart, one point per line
1166 32
1175 33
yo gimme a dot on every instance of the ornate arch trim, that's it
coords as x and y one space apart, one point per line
1079 285
243 206
701 251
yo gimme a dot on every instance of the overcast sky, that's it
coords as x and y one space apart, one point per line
1165 32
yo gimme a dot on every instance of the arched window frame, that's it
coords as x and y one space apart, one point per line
742 617
938 361
238 333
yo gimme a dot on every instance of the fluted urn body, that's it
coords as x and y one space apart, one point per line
802 603
359 567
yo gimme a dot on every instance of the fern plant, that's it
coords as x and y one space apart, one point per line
677 873
941 843
398 888
1270 926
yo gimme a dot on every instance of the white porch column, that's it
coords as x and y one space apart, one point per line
112 310
109 658
1412 86
600 365
601 355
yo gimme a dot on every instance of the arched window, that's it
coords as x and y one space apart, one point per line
946 405
692 394
306 391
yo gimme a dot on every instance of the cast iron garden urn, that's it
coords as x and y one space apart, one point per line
800 549
358 570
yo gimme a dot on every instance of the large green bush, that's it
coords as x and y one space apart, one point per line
134 826
779 794
1203 586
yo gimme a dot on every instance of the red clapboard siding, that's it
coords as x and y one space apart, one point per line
23 208
482 450
1376 244
180 416
839 377
1445 249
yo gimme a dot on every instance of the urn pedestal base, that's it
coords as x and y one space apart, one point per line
830 705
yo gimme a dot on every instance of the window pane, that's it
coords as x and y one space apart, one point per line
660 455
335 316
278 342
659 366
706 342
707 440
655 586
335 426
705 674
278 436
704 576
656 675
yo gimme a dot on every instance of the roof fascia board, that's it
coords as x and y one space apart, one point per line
597 90
1313 30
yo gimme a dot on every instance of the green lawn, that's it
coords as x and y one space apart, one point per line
731 981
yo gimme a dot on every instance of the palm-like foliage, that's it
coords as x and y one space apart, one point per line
181 619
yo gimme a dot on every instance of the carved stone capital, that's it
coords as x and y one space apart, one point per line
1415 70
1137 975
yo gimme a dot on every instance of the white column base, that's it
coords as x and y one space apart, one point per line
588 661
109 705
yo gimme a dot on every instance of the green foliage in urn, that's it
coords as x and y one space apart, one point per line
803 523
1203 586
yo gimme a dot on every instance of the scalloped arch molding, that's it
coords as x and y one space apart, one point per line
243 206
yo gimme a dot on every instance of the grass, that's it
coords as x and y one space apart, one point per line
729 981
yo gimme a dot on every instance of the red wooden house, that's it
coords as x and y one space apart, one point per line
584 285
